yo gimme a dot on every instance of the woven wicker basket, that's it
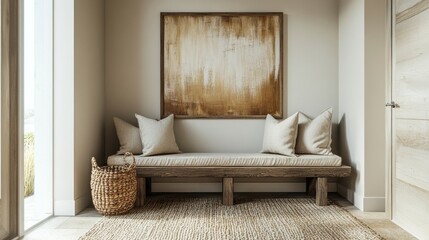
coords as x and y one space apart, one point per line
114 188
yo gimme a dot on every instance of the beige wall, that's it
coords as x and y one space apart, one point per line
362 76
78 100
133 74
375 99
133 67
89 93
333 57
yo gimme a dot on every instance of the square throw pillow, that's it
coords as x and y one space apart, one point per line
129 137
157 136
314 135
280 135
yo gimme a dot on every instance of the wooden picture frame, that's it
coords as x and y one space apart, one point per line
222 65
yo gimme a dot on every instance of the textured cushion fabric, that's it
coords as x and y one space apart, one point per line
129 137
230 160
280 135
314 135
157 136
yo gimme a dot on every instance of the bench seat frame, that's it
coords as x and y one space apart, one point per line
316 176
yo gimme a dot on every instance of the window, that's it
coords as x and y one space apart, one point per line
38 109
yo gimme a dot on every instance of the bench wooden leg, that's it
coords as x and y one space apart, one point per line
141 192
322 191
228 191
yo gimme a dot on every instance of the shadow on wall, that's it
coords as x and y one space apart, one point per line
344 152
335 143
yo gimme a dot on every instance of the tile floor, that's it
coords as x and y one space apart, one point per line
68 228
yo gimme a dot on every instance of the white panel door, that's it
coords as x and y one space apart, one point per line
410 125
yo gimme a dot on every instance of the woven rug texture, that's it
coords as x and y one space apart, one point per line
206 218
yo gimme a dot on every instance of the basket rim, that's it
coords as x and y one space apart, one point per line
119 167
125 168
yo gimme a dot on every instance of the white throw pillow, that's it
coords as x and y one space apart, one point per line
280 135
157 136
129 137
314 135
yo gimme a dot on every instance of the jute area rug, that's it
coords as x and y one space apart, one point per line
206 218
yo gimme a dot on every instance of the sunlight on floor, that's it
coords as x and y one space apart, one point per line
31 216
65 228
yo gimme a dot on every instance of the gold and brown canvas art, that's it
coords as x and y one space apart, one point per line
221 65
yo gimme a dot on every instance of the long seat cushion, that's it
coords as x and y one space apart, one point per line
230 160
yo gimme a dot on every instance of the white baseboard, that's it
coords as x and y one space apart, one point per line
366 204
72 207
238 187
374 204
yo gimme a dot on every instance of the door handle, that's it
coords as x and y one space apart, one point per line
392 104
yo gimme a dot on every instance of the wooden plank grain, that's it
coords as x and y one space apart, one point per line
412 152
413 134
412 211
409 37
236 180
412 11
229 173
411 71
402 5
228 191
410 183
412 166
322 191
340 171
141 192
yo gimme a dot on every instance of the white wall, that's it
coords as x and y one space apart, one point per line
63 107
351 95
133 67
78 100
362 69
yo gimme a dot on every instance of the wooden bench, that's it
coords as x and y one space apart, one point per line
316 176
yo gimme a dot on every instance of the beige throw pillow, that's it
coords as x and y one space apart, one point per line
314 135
157 136
280 135
129 137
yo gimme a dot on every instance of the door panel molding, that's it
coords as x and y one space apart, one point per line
412 11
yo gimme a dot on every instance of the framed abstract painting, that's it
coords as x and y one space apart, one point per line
222 65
